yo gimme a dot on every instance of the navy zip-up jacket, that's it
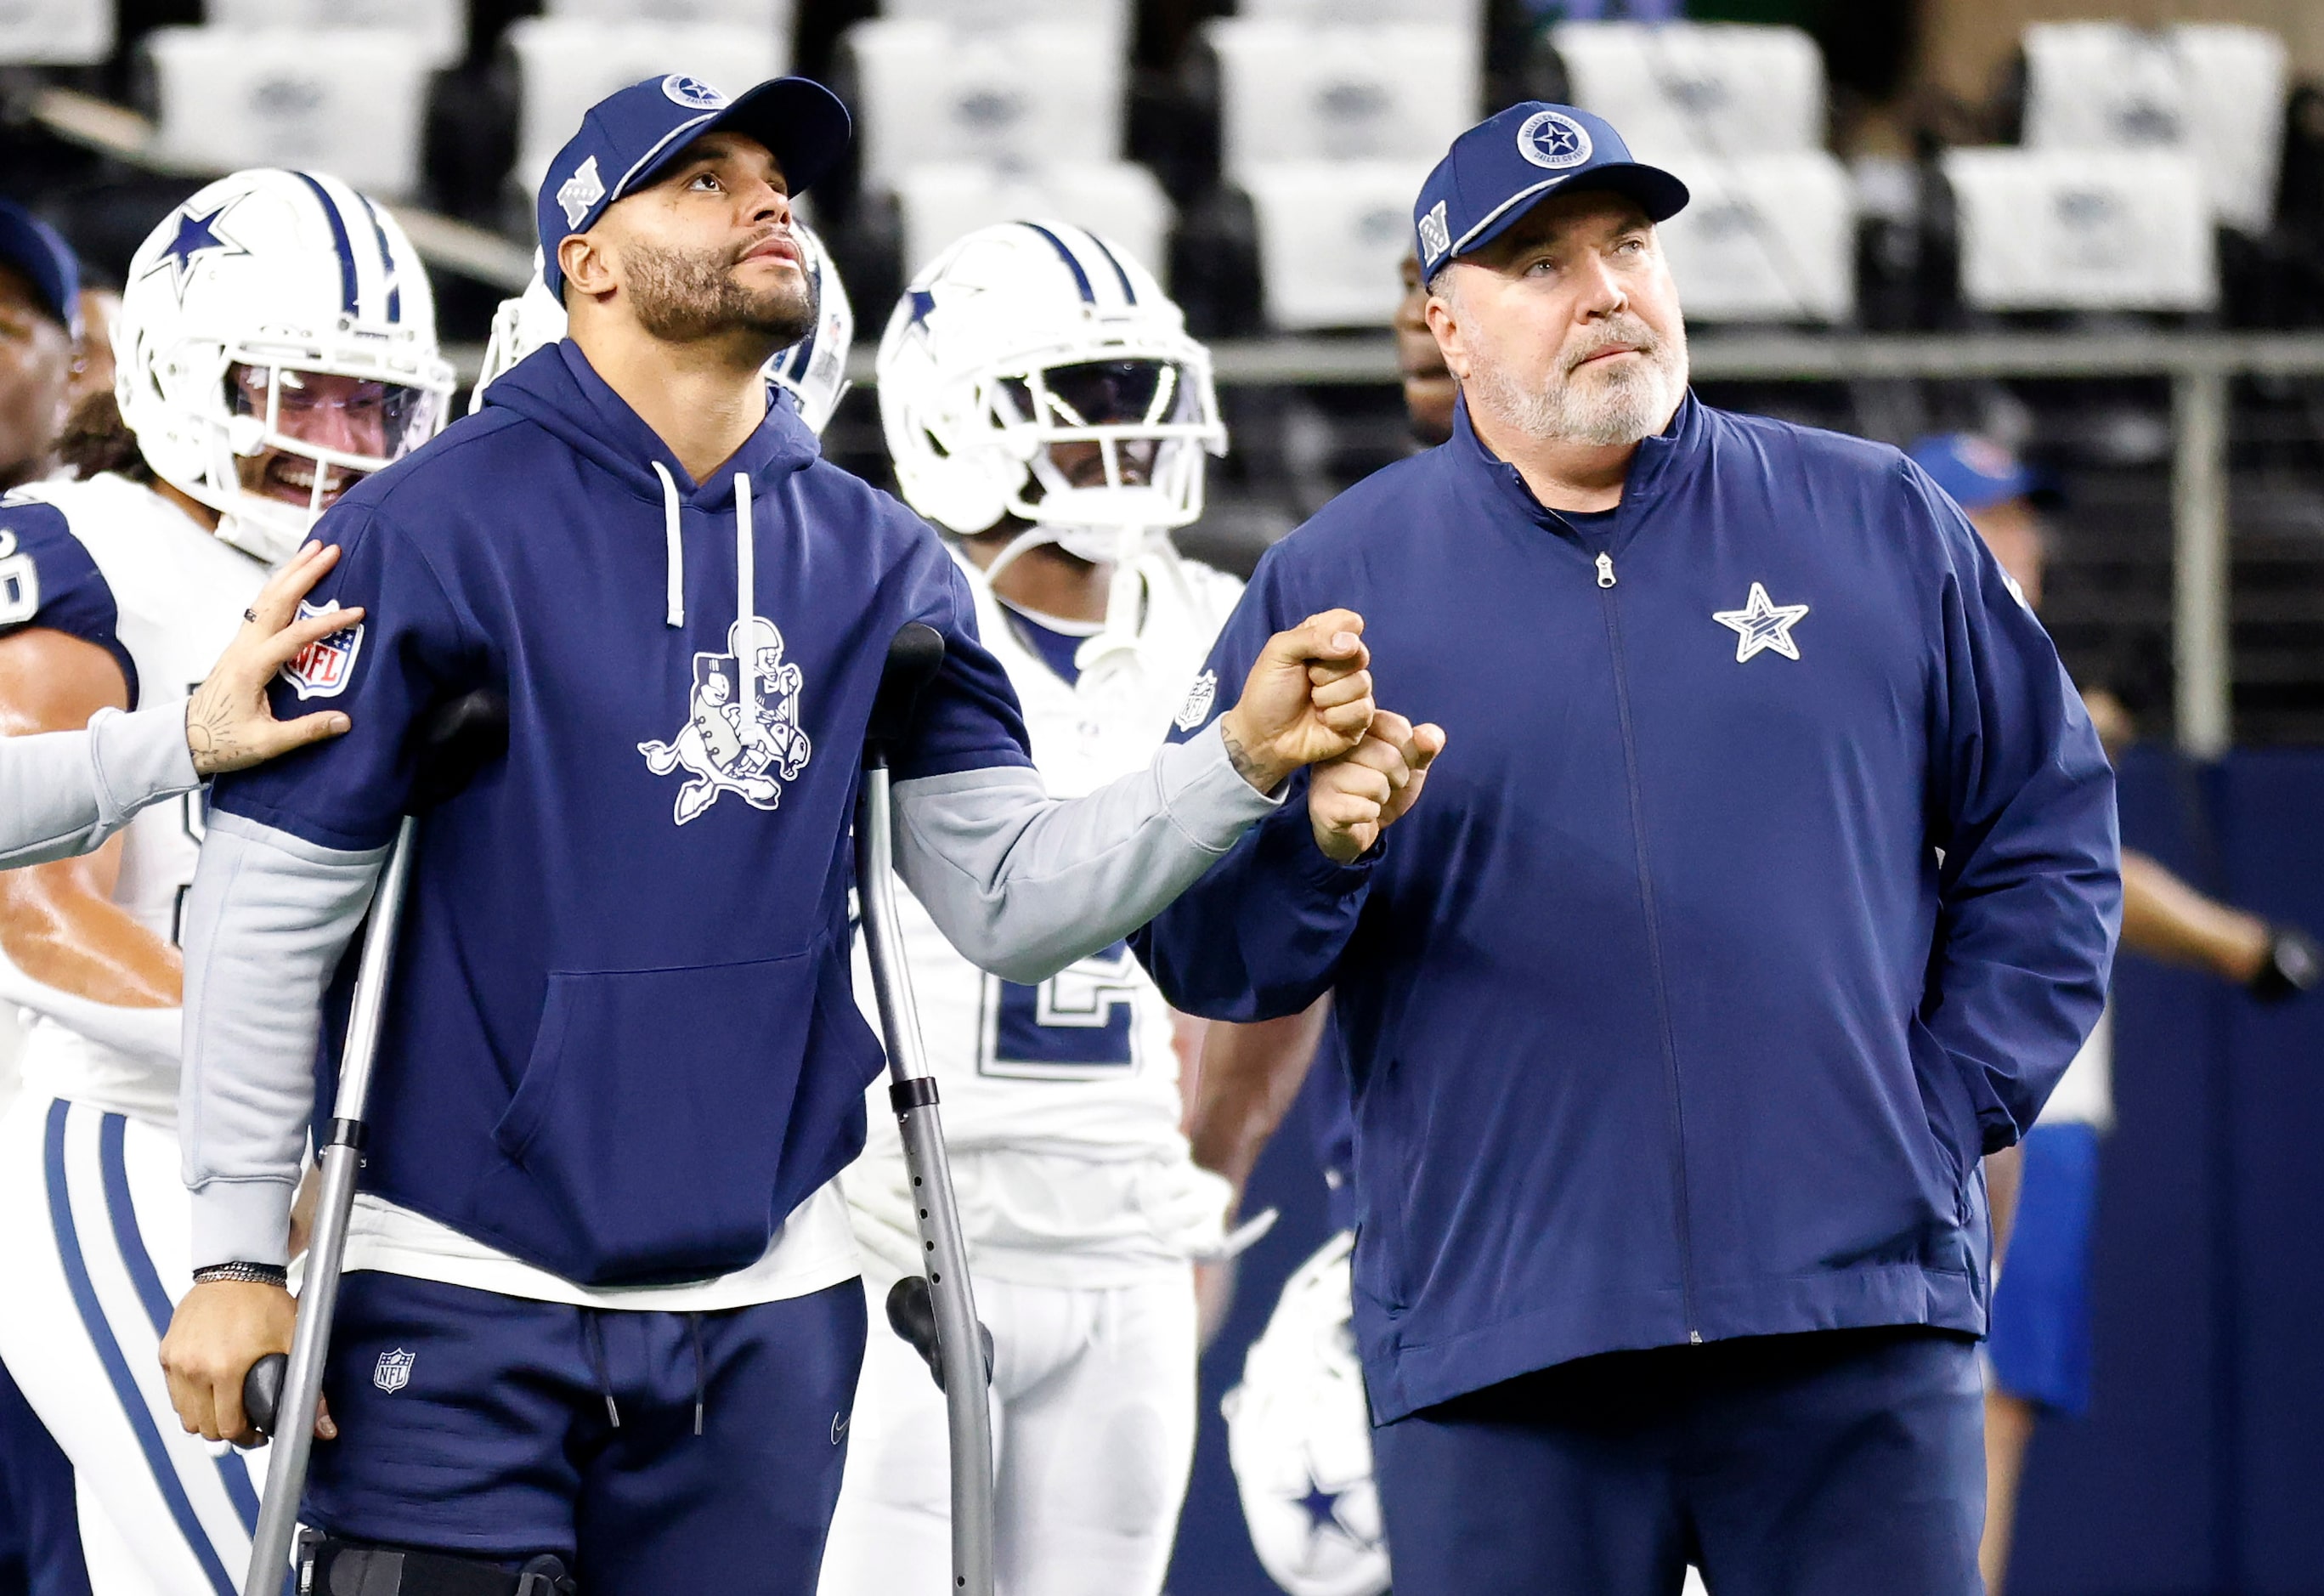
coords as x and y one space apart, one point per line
1768 879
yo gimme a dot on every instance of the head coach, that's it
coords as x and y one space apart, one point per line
1767 879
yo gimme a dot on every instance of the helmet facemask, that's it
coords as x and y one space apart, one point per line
1114 444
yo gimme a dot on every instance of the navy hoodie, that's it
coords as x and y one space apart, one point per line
621 1043
1768 879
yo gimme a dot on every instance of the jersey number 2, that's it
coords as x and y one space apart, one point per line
1079 1025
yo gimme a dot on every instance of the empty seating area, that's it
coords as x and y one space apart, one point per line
1262 155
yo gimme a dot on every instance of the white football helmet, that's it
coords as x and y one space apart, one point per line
277 325
1028 335
1300 1437
813 371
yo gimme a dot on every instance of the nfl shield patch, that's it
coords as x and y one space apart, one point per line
323 666
1199 699
394 1371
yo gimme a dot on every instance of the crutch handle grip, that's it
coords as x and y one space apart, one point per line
914 658
261 1391
912 1315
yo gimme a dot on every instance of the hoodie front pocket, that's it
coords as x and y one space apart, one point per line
651 1112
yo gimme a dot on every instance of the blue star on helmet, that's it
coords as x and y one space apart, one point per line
922 302
196 236
1322 1508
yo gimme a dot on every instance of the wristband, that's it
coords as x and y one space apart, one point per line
256 1273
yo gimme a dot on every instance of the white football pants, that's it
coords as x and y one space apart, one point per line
1094 1433
95 1234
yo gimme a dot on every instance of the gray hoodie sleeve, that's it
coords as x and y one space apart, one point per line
1023 884
266 920
63 793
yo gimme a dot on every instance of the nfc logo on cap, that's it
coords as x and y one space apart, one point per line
692 93
1555 141
583 189
1435 234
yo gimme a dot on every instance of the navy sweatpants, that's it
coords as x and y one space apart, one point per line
480 1424
1827 1465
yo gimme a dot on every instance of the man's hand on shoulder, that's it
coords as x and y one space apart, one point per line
1308 698
229 724
1352 799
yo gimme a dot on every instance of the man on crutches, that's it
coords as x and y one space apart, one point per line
600 1316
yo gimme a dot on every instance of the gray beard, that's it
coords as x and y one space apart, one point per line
1608 410
682 297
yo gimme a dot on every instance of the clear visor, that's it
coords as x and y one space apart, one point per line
302 438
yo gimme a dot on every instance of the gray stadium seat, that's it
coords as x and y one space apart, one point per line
1292 91
1468 15
442 25
771 16
2082 230
931 93
2216 91
565 66
1331 234
1122 201
1766 238
1111 17
1712 88
346 101
55 32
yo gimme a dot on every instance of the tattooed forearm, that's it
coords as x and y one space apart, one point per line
1264 776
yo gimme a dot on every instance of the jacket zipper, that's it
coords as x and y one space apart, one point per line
1612 608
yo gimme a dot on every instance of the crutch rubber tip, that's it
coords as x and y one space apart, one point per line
261 1391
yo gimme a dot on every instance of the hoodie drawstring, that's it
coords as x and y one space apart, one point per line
673 549
746 554
694 1326
593 1331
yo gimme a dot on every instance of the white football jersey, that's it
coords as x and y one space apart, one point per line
1084 1065
136 575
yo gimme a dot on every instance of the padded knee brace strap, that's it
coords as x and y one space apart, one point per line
328 1567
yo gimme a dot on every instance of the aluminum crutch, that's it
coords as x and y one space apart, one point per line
963 1363
281 1393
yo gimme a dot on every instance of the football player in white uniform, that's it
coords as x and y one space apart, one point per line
813 372
276 342
1043 403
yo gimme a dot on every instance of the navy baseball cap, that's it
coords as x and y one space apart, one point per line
1977 473
38 251
1508 163
629 136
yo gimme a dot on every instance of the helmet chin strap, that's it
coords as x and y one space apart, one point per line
1125 601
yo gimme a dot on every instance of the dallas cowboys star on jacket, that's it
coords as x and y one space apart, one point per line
1768 879
620 1047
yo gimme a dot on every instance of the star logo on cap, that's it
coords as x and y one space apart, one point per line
196 236
1761 623
692 93
1554 141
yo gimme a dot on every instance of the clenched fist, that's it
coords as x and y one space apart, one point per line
1308 698
1352 799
